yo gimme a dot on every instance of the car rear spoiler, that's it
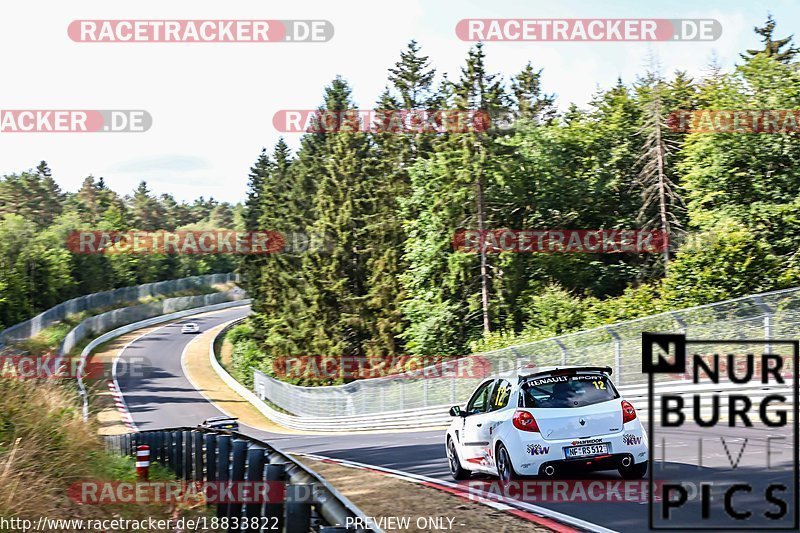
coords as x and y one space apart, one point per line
568 370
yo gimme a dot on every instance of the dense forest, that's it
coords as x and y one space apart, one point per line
37 271
393 284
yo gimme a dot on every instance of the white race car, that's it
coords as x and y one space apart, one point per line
190 327
542 423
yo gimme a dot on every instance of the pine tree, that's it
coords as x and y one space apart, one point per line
661 203
393 153
479 91
148 214
448 293
251 263
336 277
772 47
530 101
412 77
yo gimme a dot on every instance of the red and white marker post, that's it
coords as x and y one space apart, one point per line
142 462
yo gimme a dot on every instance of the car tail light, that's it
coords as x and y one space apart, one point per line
628 412
524 421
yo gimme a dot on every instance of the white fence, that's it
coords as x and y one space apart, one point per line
127 315
30 328
764 316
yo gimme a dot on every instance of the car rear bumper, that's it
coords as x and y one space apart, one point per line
589 464
530 453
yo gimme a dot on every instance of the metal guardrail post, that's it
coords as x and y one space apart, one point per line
188 441
298 508
402 395
223 469
617 354
211 456
197 449
768 312
237 474
563 352
681 322
518 357
767 334
256 459
176 460
159 448
275 473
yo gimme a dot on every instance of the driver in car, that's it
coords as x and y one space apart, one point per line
562 392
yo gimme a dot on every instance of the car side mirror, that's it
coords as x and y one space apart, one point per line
456 411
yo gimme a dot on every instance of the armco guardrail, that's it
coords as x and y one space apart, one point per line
437 416
30 328
224 457
430 417
764 316
138 325
127 315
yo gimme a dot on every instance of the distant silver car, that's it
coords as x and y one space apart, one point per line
190 327
221 422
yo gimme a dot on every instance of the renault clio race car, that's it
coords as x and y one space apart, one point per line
544 423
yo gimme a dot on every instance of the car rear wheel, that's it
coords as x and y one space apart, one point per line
636 471
456 471
505 470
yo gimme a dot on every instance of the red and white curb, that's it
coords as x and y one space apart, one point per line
547 518
119 403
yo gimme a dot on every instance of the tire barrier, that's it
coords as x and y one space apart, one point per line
305 503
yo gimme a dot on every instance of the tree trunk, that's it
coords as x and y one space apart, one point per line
484 266
662 194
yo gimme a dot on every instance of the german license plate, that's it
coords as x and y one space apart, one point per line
586 451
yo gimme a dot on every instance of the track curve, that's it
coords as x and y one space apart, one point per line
162 396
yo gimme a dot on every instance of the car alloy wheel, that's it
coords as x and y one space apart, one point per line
456 470
452 457
504 465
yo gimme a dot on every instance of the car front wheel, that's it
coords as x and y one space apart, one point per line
456 471
505 470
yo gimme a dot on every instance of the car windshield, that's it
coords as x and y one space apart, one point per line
577 390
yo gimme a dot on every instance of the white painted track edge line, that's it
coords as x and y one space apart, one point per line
121 396
547 513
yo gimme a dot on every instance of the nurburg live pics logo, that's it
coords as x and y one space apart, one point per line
740 409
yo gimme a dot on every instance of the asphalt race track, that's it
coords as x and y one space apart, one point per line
161 396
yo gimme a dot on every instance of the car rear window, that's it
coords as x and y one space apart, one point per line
576 390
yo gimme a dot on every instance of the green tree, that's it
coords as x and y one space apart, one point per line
772 47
